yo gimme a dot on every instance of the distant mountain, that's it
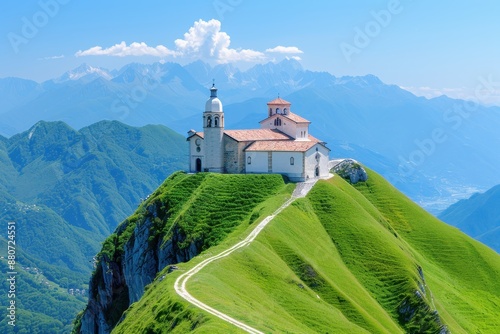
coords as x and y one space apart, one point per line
430 149
67 190
478 216
84 72
92 177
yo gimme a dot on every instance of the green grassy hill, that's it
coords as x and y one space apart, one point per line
347 258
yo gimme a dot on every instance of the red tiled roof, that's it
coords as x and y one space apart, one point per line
256 135
281 145
291 116
296 118
278 101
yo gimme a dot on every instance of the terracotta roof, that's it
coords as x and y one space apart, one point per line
296 118
291 116
199 134
278 101
256 135
281 145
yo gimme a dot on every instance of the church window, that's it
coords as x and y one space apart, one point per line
318 156
285 111
278 121
216 122
198 149
278 111
209 122
292 161
249 160
270 112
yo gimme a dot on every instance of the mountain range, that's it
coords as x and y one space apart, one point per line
478 216
66 191
436 151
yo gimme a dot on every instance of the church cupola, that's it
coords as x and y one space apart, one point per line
278 106
213 104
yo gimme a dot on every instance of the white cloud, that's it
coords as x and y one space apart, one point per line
285 49
204 40
51 57
122 50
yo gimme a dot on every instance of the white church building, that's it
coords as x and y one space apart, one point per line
282 145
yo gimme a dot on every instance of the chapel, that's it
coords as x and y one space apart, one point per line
282 145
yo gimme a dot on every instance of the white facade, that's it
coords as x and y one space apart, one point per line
316 162
282 145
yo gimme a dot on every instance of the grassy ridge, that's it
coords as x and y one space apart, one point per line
202 209
360 259
463 273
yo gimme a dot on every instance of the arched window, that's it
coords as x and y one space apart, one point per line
278 110
249 160
278 122
216 122
209 121
318 156
292 161
270 112
285 111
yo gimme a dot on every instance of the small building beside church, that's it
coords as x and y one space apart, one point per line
282 145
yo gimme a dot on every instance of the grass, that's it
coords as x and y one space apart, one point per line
347 258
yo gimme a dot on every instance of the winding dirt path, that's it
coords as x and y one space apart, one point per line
301 190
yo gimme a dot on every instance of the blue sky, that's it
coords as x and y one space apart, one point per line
428 47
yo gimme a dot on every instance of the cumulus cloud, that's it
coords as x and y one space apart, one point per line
204 40
285 49
122 50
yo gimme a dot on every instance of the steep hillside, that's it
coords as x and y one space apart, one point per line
478 216
346 258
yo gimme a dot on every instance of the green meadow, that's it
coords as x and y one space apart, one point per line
345 259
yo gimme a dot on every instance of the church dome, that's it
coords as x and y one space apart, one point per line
213 104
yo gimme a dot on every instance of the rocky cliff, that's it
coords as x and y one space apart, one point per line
350 170
121 277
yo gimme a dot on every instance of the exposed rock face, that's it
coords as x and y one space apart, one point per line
351 170
120 281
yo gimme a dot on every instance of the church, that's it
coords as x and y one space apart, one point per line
282 145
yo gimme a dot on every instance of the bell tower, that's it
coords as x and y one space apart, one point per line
213 128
